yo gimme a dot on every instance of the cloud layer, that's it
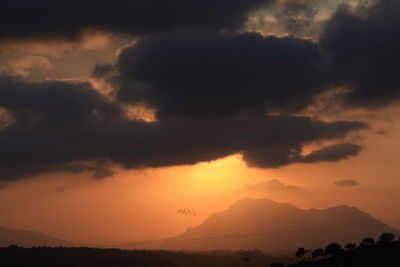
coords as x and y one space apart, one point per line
179 73
363 53
68 19
56 129
209 75
217 90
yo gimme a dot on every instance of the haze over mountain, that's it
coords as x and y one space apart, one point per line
278 227
272 185
26 238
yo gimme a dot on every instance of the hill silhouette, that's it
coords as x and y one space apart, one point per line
26 238
14 256
277 227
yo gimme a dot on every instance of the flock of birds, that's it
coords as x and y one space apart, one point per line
187 212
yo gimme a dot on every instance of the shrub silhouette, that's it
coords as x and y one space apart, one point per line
386 238
301 252
317 253
369 241
383 253
350 246
246 260
333 249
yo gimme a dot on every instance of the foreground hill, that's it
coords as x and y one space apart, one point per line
276 227
90 257
26 238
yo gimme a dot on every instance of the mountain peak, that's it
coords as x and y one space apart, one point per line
263 202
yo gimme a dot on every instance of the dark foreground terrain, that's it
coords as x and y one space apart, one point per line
383 252
92 257
369 253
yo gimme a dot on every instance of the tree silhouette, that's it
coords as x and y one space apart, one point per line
383 253
369 241
333 249
15 256
301 252
386 238
317 253
246 260
350 246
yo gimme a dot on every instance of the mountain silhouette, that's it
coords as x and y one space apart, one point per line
277 227
26 238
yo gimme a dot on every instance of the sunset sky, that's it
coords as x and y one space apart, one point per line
116 114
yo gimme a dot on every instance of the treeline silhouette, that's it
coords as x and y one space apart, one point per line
95 257
383 252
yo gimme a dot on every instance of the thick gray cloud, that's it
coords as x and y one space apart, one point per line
26 19
38 143
213 89
188 74
362 50
209 75
284 154
55 104
332 153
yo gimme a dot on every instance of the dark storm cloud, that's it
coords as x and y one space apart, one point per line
363 52
332 153
44 110
347 182
54 104
212 89
209 75
26 19
285 154
205 75
37 143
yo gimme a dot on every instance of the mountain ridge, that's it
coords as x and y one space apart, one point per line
273 226
27 238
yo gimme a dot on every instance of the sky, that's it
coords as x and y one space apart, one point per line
115 115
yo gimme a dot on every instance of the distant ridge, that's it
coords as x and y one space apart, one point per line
236 225
266 186
26 238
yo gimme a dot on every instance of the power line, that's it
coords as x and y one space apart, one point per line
170 202
269 233
286 232
340 193
85 206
